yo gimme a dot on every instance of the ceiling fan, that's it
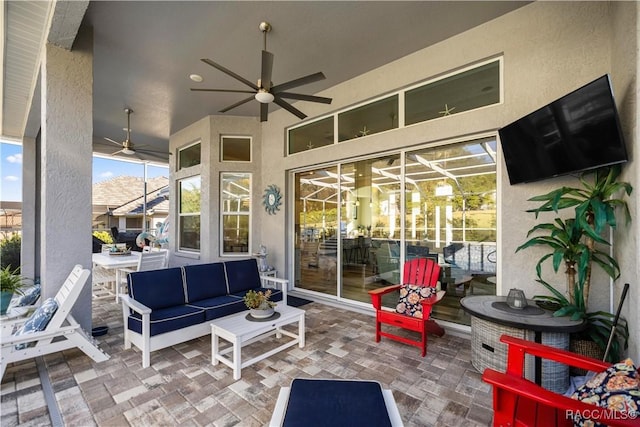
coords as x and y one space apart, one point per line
264 91
127 146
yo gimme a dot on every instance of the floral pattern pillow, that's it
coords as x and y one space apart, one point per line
617 388
38 321
410 297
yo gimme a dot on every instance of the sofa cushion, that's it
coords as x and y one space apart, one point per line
204 281
220 306
276 294
168 319
157 288
242 275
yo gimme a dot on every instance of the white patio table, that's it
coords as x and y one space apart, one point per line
116 262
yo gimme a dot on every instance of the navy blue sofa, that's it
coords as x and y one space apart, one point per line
173 305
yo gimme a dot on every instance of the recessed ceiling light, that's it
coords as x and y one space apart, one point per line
196 78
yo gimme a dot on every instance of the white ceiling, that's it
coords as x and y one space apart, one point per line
145 51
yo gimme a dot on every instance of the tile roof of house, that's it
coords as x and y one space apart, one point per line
125 194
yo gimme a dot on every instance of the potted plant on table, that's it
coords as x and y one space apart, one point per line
259 304
11 282
574 241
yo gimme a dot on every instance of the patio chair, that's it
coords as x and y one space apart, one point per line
153 260
418 294
37 337
520 402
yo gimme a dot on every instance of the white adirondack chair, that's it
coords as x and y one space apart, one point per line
62 333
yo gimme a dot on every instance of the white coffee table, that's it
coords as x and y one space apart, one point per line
239 331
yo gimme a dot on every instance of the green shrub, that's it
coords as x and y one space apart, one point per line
103 235
10 252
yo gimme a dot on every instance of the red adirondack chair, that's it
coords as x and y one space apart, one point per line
520 402
420 272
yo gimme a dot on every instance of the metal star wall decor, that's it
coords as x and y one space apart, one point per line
447 111
364 131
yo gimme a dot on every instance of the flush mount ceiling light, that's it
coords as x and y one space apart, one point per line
264 97
196 78
264 91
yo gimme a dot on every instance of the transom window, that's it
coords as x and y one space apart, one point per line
463 90
189 156
235 148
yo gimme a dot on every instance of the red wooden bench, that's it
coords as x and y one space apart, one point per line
520 402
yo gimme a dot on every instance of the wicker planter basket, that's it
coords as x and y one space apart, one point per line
585 348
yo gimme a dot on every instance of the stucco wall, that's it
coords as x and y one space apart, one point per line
209 131
549 49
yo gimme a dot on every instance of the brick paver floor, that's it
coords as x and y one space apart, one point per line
182 387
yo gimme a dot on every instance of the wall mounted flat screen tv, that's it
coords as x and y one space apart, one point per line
577 132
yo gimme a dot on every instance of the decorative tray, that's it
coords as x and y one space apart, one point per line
120 253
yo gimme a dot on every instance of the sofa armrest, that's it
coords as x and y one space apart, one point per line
128 302
277 283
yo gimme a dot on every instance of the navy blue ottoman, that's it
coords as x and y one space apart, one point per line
335 403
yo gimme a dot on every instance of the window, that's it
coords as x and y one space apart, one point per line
460 92
314 135
476 86
368 119
189 214
356 223
189 156
235 202
235 148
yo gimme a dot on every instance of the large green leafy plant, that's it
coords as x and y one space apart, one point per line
575 243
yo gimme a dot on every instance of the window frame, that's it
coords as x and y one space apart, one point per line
179 167
222 138
181 215
224 213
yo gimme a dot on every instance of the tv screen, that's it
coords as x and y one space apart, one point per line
577 132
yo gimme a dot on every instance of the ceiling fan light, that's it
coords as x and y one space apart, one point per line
128 151
264 97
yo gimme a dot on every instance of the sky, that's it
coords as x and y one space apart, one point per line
103 169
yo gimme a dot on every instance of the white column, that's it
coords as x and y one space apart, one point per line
28 265
67 133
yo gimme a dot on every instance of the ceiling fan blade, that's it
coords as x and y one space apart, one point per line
302 97
264 112
154 154
237 104
290 108
111 140
231 73
267 67
119 151
298 82
145 150
221 90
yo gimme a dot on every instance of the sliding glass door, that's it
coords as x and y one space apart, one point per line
357 222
